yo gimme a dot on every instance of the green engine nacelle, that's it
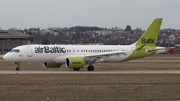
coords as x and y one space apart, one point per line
51 65
75 62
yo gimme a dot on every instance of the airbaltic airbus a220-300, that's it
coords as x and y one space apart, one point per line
77 56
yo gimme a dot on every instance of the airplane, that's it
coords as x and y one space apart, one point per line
77 56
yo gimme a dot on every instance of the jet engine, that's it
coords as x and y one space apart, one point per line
51 65
75 62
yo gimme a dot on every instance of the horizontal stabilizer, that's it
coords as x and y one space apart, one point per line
162 48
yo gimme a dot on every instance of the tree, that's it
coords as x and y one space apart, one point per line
128 28
45 41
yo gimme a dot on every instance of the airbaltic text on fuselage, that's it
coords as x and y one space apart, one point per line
50 49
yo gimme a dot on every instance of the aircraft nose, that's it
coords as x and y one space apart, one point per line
7 57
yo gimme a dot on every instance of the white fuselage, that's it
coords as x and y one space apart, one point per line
58 53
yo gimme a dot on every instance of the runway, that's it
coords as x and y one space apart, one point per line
93 72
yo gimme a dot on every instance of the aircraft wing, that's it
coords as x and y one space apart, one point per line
98 56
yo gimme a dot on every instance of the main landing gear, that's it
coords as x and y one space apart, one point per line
18 67
90 68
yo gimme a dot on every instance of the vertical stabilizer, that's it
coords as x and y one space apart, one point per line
150 36
147 41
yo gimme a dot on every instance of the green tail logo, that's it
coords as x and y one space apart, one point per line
147 41
151 34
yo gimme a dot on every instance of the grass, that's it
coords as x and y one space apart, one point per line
88 87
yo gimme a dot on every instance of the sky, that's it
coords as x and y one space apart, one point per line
102 13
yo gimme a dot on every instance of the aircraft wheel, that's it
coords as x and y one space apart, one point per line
17 68
90 68
76 69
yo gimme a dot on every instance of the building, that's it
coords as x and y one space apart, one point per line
10 39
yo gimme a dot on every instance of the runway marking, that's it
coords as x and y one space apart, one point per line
94 72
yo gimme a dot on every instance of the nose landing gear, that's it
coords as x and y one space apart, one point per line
18 67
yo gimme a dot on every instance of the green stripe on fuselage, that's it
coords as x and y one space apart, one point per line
146 41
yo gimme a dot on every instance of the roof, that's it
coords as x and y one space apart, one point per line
14 34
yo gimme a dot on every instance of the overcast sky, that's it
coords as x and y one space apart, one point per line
101 13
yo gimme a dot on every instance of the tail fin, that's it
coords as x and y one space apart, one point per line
150 36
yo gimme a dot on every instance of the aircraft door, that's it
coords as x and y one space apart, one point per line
29 51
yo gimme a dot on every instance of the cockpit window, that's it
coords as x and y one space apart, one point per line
15 50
